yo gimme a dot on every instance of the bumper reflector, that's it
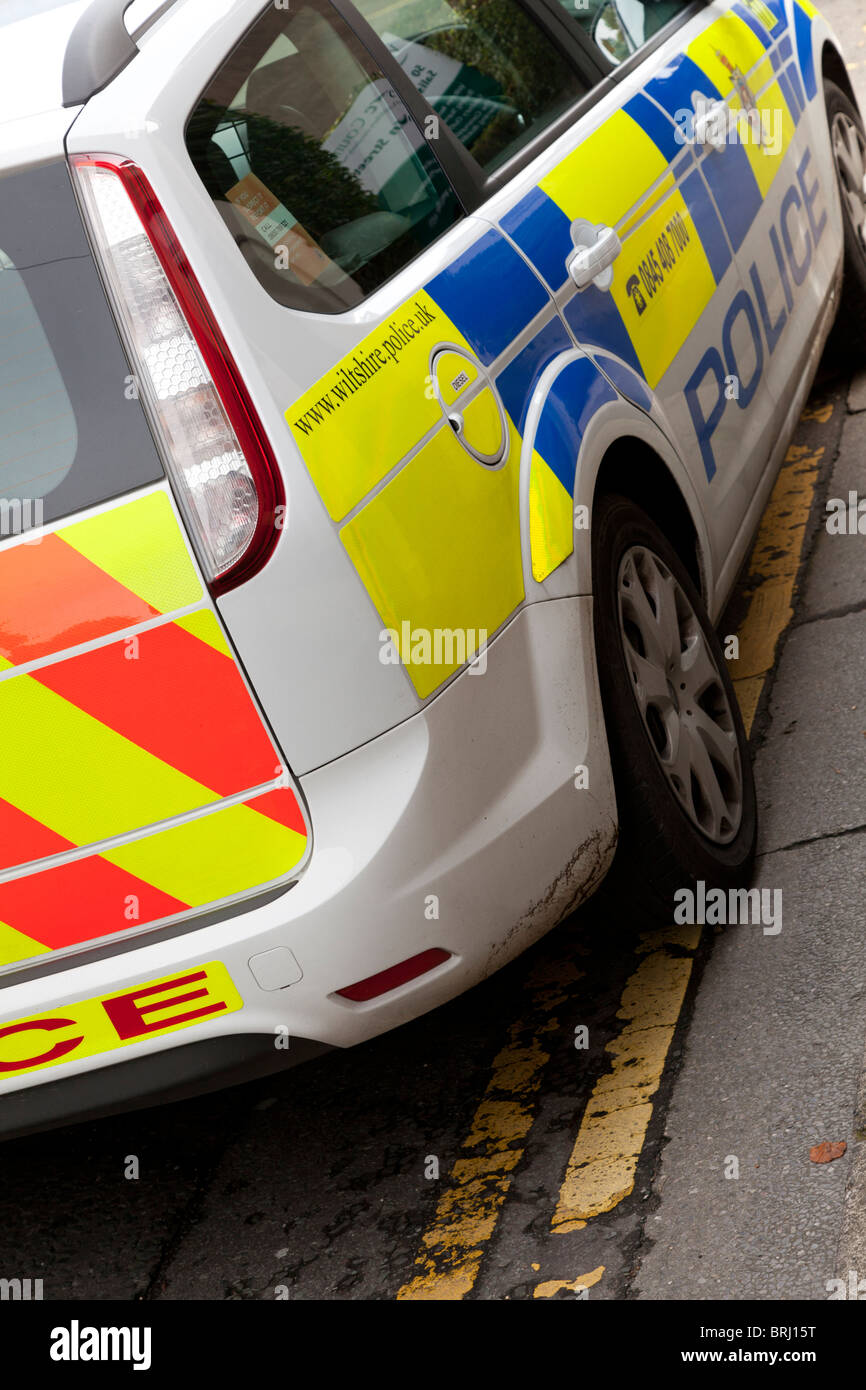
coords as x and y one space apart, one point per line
395 975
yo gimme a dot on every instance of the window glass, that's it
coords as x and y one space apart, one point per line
71 431
621 27
326 183
484 66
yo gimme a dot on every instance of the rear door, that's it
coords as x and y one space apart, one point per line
319 142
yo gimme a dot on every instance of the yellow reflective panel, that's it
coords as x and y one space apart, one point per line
367 412
551 519
662 283
71 1032
608 172
439 552
483 425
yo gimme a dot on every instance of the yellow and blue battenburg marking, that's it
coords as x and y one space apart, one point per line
438 546
699 210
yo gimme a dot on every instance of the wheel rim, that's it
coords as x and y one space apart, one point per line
680 695
849 154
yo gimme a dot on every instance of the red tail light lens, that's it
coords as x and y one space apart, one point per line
218 456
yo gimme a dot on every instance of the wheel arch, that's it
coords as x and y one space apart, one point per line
833 67
632 467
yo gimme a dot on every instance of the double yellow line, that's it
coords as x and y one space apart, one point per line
601 1169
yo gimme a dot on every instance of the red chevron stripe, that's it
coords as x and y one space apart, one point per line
281 805
52 598
177 697
22 838
80 901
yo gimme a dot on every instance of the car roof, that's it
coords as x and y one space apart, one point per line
57 53
34 37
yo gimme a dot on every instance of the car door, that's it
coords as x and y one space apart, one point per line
393 310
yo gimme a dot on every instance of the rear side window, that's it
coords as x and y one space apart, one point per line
485 67
320 173
71 430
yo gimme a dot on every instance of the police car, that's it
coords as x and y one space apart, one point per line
389 392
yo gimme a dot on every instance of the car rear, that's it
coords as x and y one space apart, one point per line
230 834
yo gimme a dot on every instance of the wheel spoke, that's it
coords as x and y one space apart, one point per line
668 618
650 685
719 742
707 780
636 606
697 668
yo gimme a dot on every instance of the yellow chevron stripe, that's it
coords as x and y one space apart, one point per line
78 776
203 625
140 545
14 945
213 857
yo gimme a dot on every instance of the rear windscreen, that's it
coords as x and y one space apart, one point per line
72 432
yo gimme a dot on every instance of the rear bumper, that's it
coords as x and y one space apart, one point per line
461 828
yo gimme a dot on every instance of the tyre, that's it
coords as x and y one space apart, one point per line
848 142
683 775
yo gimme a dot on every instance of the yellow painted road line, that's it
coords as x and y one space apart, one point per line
601 1169
603 1162
549 1287
773 570
449 1257
604 1159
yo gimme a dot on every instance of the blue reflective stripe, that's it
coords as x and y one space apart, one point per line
754 24
793 76
682 165
707 224
794 106
596 321
803 32
672 88
786 48
517 382
543 233
627 382
654 123
578 392
733 185
490 293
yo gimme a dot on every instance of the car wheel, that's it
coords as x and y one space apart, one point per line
682 771
848 142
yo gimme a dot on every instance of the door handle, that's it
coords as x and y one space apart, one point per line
591 262
710 126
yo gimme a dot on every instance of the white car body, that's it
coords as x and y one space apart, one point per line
447 818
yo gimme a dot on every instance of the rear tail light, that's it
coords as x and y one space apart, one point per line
216 451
